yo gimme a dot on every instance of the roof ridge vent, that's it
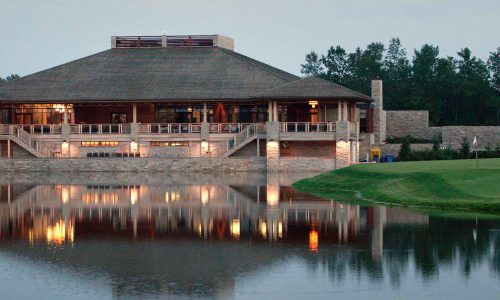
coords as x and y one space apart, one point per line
167 41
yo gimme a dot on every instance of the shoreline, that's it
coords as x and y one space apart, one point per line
452 185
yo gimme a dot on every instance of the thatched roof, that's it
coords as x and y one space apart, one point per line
162 74
312 88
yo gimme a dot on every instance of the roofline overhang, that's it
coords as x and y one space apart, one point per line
83 101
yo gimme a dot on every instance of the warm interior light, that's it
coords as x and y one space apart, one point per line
205 194
280 230
313 240
59 233
134 196
235 228
273 195
313 103
263 229
65 194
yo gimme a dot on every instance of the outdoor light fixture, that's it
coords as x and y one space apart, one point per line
204 146
313 103
133 146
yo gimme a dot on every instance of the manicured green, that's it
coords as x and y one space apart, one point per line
451 184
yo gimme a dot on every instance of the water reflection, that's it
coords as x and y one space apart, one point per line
199 238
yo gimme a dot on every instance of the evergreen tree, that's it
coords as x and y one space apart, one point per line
405 150
465 149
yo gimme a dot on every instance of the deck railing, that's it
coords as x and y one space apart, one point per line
307 127
177 128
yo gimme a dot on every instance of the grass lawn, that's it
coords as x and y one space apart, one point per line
450 184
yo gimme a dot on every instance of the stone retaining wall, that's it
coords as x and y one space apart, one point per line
454 135
306 164
185 165
171 165
393 149
415 123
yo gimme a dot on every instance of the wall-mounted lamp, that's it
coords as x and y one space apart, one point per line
313 103
204 146
133 146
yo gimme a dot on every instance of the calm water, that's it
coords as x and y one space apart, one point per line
246 237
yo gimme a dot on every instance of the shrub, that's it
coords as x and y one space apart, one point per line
405 150
465 149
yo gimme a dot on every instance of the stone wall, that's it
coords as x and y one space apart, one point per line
393 149
454 135
415 123
306 164
186 165
165 166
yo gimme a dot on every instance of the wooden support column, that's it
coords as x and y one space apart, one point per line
346 112
258 148
8 148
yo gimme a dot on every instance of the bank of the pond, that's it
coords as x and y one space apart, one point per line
452 184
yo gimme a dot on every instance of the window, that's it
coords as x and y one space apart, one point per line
169 144
100 144
118 118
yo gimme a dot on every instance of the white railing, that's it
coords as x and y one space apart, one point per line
99 128
24 137
169 128
242 136
307 127
41 128
4 129
144 128
228 127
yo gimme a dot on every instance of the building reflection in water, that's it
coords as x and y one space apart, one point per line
65 213
260 223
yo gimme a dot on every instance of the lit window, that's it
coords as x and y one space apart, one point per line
99 144
169 144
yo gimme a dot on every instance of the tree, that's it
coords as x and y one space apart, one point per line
313 66
337 65
397 76
11 77
494 68
465 149
405 150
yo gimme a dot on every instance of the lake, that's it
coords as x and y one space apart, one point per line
225 236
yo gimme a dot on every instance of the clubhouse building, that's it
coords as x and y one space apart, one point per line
171 97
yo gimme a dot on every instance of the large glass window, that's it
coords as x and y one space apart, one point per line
41 113
4 115
180 114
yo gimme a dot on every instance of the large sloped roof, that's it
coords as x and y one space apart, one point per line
168 74
311 88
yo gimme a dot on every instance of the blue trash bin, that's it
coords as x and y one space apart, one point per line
384 159
375 159
389 158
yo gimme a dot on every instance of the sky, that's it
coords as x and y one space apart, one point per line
36 35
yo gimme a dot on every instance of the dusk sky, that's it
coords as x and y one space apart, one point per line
38 34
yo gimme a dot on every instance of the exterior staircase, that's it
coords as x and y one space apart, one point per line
241 139
28 142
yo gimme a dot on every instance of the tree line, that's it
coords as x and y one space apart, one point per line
9 78
462 90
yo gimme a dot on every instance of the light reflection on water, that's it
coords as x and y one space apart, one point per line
231 237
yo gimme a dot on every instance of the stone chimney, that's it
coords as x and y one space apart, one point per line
379 116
